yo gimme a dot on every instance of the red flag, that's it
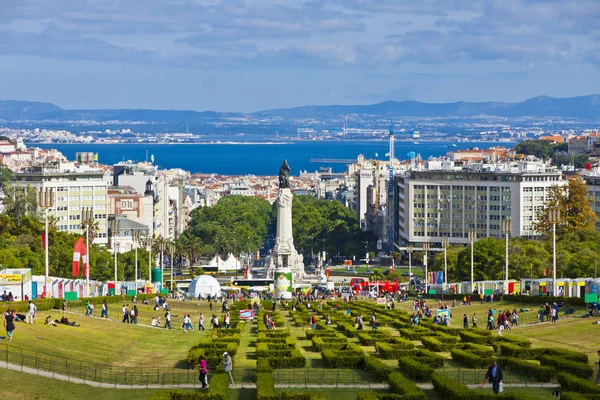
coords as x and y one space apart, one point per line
44 241
78 252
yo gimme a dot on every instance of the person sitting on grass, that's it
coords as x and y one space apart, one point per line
49 321
65 321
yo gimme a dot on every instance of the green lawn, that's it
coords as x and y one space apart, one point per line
111 342
18 386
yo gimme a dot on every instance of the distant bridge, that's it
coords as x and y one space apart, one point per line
333 160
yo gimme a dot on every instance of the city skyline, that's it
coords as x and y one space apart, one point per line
248 56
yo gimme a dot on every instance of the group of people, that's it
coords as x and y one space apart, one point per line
130 316
548 312
7 297
269 322
203 369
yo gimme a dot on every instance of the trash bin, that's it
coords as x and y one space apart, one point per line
111 291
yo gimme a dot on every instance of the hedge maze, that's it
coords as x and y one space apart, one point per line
394 353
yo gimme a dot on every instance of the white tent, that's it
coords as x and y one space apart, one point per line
217 262
203 286
232 264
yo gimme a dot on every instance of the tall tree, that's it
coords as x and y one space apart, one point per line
575 209
20 201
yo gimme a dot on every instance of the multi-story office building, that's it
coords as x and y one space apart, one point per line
75 189
592 179
448 201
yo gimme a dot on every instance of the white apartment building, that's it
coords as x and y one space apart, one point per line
75 189
445 201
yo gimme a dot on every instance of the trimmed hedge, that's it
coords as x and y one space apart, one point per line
578 369
472 336
350 357
399 384
448 388
331 343
434 344
498 340
513 350
471 360
578 396
391 351
415 332
294 360
217 390
370 338
415 369
478 349
572 383
534 371
377 367
320 333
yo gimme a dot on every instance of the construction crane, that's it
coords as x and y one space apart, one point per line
390 230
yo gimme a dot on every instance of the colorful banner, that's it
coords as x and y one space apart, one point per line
246 314
381 300
79 250
10 278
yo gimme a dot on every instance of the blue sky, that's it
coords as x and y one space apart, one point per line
239 55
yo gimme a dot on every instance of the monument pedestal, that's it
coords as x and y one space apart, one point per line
284 256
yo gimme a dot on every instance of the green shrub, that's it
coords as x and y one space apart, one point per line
445 338
578 396
369 339
449 389
567 354
349 357
391 351
434 344
473 336
377 367
534 371
399 384
262 365
294 360
563 365
498 340
478 349
320 333
414 369
430 358
320 343
572 383
415 333
265 387
513 350
470 360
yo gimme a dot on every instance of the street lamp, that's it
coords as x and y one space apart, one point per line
136 237
445 243
148 241
87 217
426 247
506 227
172 249
554 218
409 250
472 239
46 200
115 226
162 246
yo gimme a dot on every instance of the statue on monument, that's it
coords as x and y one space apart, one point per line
284 176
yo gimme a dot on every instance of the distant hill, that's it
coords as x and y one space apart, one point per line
584 107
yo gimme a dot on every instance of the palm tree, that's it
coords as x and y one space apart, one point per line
377 275
226 242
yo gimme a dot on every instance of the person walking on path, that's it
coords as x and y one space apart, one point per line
494 376
29 318
168 320
313 322
228 366
126 313
201 323
203 370
9 323
104 313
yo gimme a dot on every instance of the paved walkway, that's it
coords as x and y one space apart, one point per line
33 371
